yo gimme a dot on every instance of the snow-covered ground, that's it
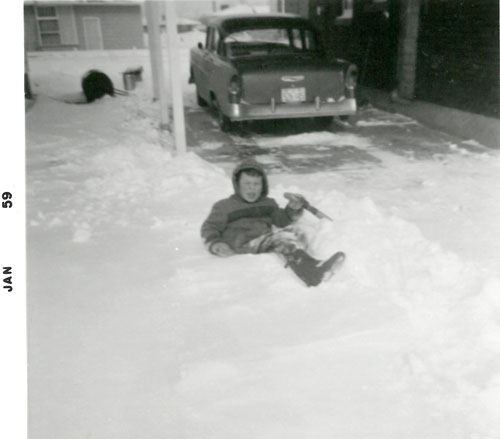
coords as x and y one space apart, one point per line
136 331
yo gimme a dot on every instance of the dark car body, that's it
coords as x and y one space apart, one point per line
269 67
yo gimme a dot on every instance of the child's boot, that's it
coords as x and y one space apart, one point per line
310 270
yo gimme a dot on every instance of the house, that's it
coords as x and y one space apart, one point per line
82 25
440 51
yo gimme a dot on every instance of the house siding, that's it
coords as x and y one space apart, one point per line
458 54
30 29
121 27
67 25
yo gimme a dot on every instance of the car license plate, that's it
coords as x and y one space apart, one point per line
297 94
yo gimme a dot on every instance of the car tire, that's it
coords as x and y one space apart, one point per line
224 122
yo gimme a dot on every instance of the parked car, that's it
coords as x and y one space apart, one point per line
269 67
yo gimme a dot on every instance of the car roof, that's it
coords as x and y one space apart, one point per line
229 23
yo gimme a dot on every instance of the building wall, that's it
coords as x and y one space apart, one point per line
458 54
67 25
121 27
455 44
30 32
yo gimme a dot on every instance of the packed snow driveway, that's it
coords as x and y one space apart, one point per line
136 331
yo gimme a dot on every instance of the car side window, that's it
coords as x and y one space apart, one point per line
309 40
303 39
213 38
296 39
215 41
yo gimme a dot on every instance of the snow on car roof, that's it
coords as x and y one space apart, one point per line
228 23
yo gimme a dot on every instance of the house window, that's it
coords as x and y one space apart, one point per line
48 25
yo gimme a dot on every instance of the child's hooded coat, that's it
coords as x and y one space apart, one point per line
236 221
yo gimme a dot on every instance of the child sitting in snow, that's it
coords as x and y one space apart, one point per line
251 222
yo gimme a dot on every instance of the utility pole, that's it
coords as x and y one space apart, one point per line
175 79
152 10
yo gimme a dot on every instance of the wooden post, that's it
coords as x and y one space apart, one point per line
27 86
152 10
175 79
407 48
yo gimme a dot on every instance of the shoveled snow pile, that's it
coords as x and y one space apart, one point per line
137 331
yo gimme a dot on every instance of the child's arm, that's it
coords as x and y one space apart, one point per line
220 248
211 231
284 217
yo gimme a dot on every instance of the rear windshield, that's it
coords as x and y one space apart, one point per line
268 41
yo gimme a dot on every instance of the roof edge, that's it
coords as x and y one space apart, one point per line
83 2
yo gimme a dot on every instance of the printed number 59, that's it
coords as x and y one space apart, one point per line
7 204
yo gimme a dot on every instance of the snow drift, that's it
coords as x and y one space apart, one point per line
151 335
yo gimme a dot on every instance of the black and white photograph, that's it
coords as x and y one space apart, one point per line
251 219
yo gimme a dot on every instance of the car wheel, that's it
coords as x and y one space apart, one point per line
223 121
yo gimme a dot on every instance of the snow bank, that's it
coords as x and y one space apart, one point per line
452 306
402 342
451 350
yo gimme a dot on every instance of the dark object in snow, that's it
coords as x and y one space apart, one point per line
96 84
312 271
306 205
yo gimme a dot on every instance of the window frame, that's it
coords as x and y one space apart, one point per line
296 38
213 41
41 32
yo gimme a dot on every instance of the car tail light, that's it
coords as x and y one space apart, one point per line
351 80
234 89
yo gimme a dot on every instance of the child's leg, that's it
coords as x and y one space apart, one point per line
291 244
281 241
284 241
254 246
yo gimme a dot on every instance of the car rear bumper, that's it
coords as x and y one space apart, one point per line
245 111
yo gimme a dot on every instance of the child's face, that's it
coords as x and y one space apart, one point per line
250 187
